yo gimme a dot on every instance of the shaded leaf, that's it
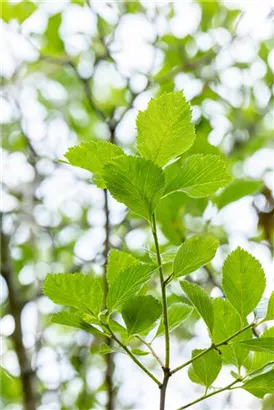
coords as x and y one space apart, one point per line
261 385
237 190
205 370
118 261
140 313
201 301
177 313
74 319
261 344
194 253
270 308
226 323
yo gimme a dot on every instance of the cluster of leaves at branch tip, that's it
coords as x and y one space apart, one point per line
142 182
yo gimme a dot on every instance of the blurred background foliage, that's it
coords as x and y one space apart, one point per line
74 71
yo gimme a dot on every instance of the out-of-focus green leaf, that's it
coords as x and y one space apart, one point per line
54 45
17 10
237 190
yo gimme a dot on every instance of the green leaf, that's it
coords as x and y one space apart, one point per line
54 44
75 290
194 253
127 284
260 359
140 352
260 344
92 156
200 176
261 385
243 281
270 308
201 301
140 313
237 190
136 182
74 319
17 10
205 370
118 261
177 313
226 323
165 129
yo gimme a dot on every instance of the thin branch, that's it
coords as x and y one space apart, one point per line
228 387
216 346
154 354
131 355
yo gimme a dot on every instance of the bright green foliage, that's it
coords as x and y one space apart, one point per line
177 313
237 190
226 323
140 313
75 290
194 253
201 301
54 45
260 359
73 319
16 10
136 182
261 385
92 156
165 128
243 281
118 261
200 176
127 284
270 308
264 344
205 369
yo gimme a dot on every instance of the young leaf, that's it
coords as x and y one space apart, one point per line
237 190
270 308
127 284
165 129
261 385
75 290
140 313
201 301
136 182
227 322
177 313
205 370
74 319
118 261
92 156
243 281
200 176
193 254
260 344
